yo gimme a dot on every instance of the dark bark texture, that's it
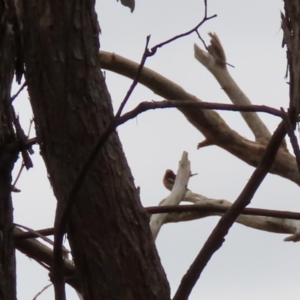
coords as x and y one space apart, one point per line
8 154
291 38
108 230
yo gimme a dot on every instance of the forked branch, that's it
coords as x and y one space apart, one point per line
209 123
215 62
216 238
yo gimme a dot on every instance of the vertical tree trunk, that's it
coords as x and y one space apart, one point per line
291 38
108 231
7 156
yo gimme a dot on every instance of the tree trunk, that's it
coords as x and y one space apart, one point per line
8 155
109 234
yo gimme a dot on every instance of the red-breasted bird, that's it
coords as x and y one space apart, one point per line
169 179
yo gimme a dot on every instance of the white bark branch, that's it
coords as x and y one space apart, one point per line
215 62
43 255
176 196
209 123
270 224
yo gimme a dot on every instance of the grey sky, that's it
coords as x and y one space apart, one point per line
251 264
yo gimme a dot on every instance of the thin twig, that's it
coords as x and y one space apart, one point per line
30 126
22 235
43 255
18 92
195 29
216 238
147 53
23 164
41 292
22 138
135 81
18 176
179 209
152 51
36 233
145 106
40 235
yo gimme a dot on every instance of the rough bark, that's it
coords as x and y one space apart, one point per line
291 38
110 239
7 155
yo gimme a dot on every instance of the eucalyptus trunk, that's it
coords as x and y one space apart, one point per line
108 230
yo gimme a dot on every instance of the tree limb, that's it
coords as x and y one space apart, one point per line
209 123
283 222
217 237
215 61
44 255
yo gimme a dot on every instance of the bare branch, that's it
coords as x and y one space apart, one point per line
41 291
36 233
216 238
177 194
135 81
215 61
195 29
21 235
18 92
212 126
153 50
43 254
145 106
283 222
206 207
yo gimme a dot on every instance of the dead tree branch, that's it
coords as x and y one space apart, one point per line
44 255
282 222
209 123
217 237
195 29
145 106
214 60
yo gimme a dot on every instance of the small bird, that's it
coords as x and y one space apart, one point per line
169 179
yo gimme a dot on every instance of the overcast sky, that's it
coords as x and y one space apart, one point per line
251 264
